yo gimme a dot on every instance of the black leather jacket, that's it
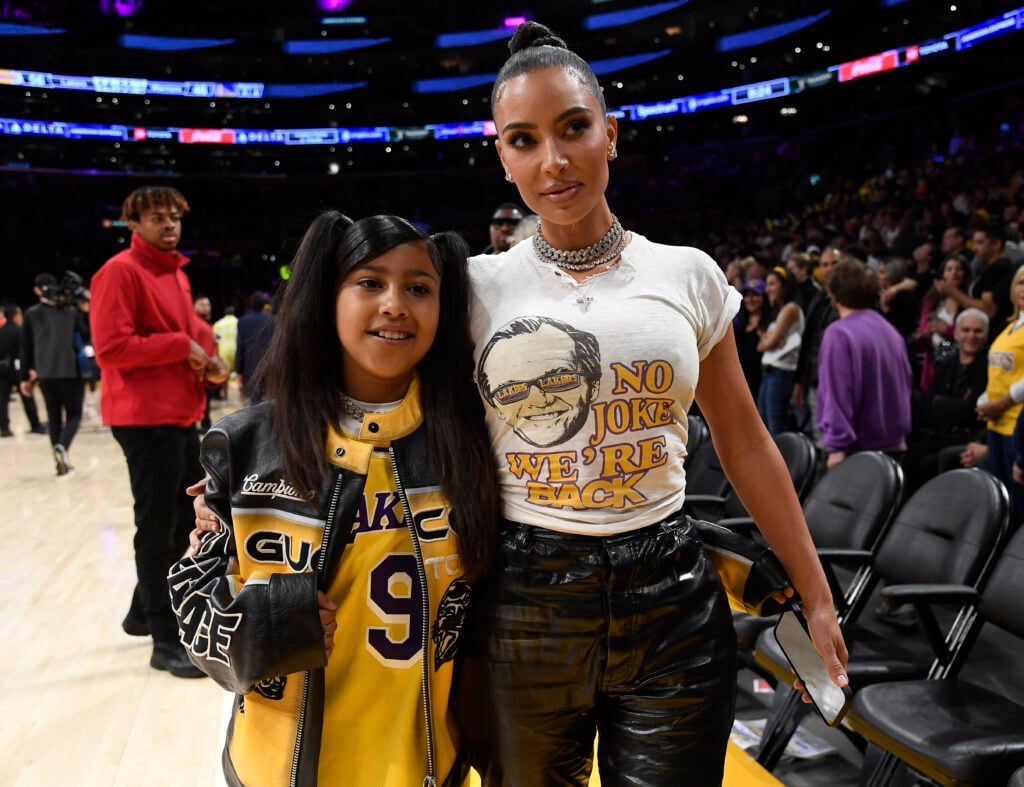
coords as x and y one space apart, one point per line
244 652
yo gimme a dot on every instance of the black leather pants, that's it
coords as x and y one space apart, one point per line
629 636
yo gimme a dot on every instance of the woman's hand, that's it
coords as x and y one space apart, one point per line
799 395
994 408
785 595
828 640
945 288
972 454
777 337
328 620
206 520
938 326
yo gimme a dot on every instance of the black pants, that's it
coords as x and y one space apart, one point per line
31 412
63 398
629 636
162 461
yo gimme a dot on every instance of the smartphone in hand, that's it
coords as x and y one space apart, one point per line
830 700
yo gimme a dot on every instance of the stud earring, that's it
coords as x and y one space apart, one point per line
613 154
508 176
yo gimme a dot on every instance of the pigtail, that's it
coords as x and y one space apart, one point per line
454 415
302 368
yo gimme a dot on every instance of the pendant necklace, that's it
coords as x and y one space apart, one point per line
608 248
583 297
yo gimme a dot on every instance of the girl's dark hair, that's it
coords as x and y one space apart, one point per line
535 47
303 371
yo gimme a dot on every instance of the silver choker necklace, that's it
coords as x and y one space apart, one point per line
352 410
605 250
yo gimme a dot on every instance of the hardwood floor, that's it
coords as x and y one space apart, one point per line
81 704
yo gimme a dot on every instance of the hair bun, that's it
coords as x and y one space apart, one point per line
531 34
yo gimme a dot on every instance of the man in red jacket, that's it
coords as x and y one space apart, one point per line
153 392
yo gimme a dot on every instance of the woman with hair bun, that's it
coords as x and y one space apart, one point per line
603 613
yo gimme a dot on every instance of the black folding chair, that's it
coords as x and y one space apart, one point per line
706 484
847 512
697 433
709 495
953 731
945 535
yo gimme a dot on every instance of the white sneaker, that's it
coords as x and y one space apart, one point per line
61 455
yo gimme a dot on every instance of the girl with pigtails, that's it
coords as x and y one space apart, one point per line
356 506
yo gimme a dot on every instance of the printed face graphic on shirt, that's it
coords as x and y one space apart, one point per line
540 376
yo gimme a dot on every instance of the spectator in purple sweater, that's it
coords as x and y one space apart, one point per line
863 371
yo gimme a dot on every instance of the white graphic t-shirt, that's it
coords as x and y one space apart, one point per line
586 386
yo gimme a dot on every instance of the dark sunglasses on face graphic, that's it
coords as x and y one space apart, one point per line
517 390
